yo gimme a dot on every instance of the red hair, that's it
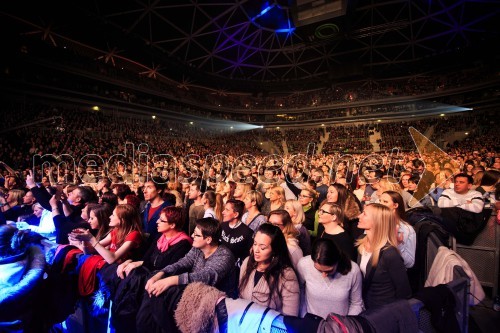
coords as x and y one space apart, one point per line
133 200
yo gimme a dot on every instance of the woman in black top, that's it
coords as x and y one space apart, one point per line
384 273
331 217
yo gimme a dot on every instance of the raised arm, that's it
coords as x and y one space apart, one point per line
11 171
40 193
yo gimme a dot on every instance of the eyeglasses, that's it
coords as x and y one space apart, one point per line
322 211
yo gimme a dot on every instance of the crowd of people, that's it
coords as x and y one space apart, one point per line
107 134
168 221
316 235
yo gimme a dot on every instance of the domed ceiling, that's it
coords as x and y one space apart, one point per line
251 44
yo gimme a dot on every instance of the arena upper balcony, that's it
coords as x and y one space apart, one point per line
257 62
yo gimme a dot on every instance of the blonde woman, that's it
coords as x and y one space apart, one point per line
253 217
307 199
11 206
294 208
384 273
241 190
276 200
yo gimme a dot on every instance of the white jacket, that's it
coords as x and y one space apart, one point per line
442 272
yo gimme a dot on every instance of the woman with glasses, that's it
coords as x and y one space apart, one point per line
267 277
384 272
281 219
213 260
208 261
170 245
331 217
307 199
330 281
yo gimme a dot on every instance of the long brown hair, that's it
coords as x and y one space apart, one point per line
102 214
279 262
289 230
346 200
130 220
232 187
397 198
219 206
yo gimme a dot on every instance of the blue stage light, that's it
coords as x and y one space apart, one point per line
273 17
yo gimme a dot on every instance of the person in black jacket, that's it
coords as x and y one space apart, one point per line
127 280
384 273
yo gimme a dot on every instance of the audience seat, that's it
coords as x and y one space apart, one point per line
460 288
483 255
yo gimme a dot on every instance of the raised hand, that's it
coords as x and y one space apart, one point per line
30 180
